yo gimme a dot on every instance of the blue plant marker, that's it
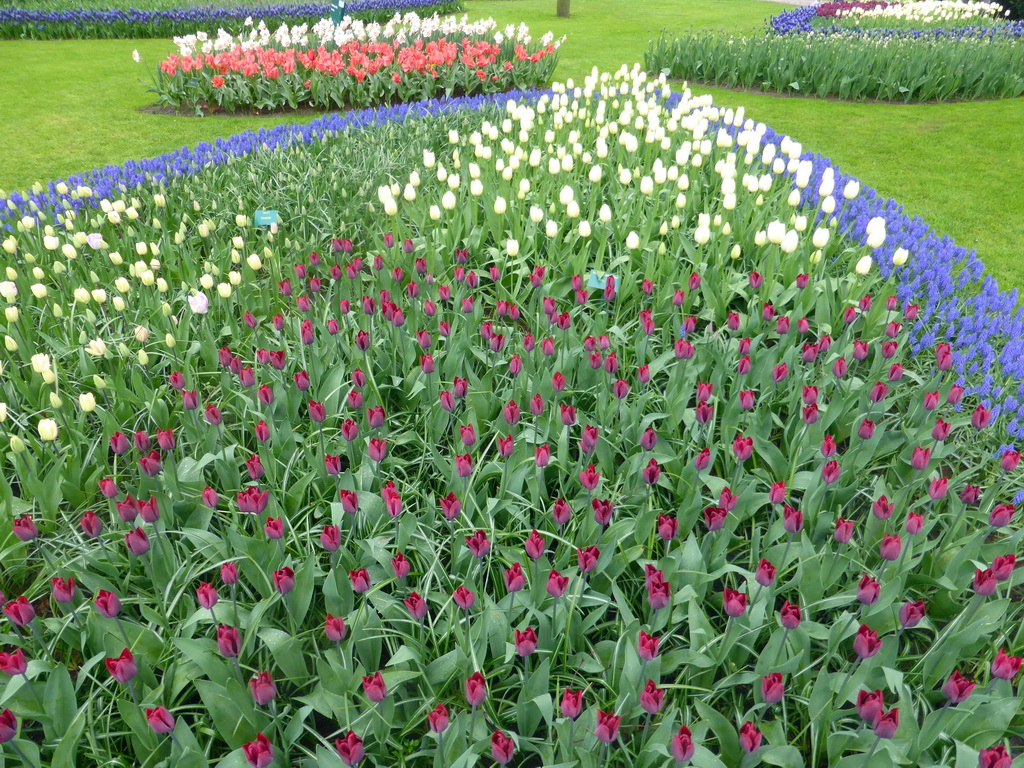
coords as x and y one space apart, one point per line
265 218
597 281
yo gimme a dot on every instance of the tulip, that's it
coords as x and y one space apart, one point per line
652 698
607 728
24 528
259 753
376 690
284 580
502 746
957 688
123 667
750 737
476 689
586 559
995 757
438 719
160 720
13 664
984 582
1006 667
514 578
360 580
263 689
772 688
9 729
790 615
400 566
886 724
870 704
416 605
866 643
735 603
525 641
681 746
229 574
534 545
206 596
229 642
765 573
107 603
911 614
137 542
868 590
843 530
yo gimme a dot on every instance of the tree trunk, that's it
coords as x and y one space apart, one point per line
563 9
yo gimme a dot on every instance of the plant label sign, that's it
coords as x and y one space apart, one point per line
265 218
598 280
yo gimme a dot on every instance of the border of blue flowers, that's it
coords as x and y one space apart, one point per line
798 21
960 303
203 16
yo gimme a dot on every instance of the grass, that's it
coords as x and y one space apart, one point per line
69 106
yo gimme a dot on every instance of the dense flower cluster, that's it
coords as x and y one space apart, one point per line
803 20
606 403
17 22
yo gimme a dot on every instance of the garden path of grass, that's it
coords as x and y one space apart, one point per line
69 106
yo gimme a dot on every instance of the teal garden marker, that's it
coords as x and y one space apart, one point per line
265 218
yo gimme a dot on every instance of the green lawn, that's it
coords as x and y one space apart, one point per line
69 106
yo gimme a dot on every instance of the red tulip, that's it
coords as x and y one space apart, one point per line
63 590
668 527
464 598
13 664
735 602
870 704
886 724
417 606
714 518
284 580
259 753
647 646
478 544
229 573
334 628
586 558
526 641
376 690
107 603
765 574
263 688
890 547
843 530
607 728
476 689
160 720
652 698
229 642
137 542
790 615
502 748
682 746
866 643
772 688
534 545
514 578
123 667
438 719
557 584
330 538
868 590
206 596
1006 667
911 614
995 757
750 737
984 582
957 688
360 580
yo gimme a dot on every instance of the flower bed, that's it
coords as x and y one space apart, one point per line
354 66
871 20
893 67
409 488
49 23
